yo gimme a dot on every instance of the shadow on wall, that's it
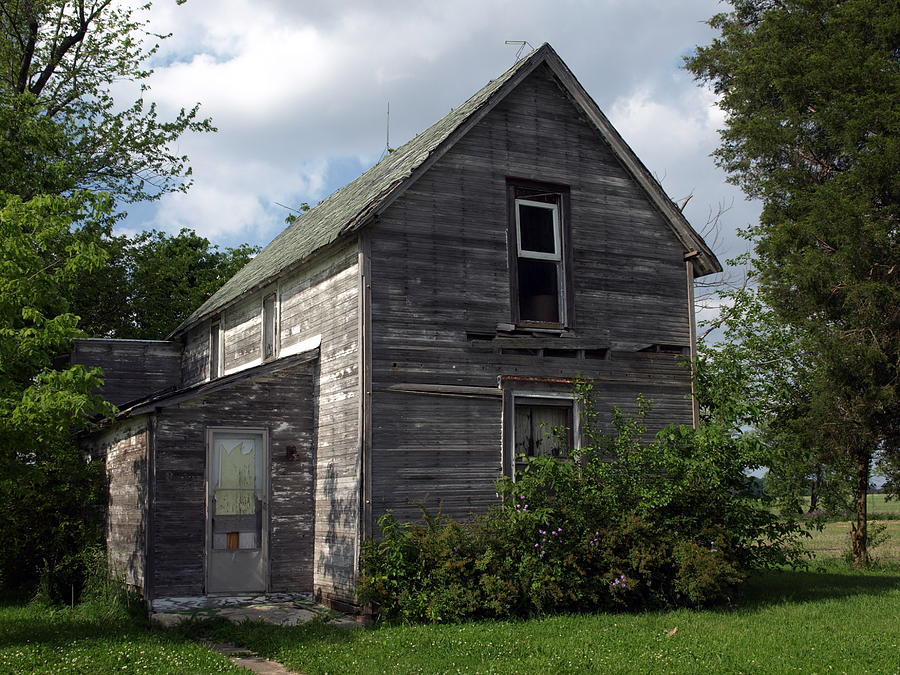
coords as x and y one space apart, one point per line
126 537
336 559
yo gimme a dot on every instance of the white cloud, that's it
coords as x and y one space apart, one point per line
298 90
224 208
666 130
674 130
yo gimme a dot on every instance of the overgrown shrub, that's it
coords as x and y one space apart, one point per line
624 525
52 520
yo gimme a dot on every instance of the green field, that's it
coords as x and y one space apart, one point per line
878 505
834 541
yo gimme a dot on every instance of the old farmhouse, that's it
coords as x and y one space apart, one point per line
404 340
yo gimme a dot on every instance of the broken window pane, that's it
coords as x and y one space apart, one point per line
536 229
534 429
236 487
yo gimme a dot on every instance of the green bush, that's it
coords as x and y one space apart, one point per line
52 509
669 523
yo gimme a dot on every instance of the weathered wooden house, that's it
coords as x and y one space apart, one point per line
405 340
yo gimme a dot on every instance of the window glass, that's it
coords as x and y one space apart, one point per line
269 326
535 424
214 348
537 229
538 290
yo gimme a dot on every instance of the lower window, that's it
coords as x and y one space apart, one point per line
543 425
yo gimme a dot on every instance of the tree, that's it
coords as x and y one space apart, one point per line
68 152
46 488
756 379
152 282
810 90
58 60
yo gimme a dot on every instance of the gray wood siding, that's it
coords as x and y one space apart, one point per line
125 448
195 355
322 299
132 369
282 403
442 452
242 333
440 269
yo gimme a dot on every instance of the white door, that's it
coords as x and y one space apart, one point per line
237 513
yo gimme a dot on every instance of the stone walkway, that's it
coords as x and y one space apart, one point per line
278 609
249 660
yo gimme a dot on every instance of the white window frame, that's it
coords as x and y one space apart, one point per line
556 256
216 325
515 396
276 306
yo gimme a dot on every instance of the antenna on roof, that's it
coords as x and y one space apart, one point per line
387 135
521 46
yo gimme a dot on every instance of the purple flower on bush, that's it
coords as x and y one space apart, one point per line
620 581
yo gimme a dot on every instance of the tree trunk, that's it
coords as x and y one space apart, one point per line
859 529
814 488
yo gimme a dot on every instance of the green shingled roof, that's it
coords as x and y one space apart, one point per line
352 205
357 202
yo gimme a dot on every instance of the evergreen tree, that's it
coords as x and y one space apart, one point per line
811 92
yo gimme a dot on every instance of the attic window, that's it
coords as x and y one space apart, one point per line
215 349
538 267
268 326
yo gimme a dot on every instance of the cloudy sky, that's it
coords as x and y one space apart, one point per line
299 92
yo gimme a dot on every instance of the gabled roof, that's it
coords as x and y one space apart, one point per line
358 202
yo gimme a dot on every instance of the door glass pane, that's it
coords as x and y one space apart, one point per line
237 486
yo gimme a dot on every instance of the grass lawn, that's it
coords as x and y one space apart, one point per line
92 639
832 619
829 618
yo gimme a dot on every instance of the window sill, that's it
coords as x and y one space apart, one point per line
535 328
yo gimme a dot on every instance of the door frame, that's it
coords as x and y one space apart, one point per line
211 431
